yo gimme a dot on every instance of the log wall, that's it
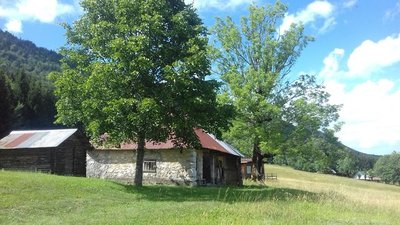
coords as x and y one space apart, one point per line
69 158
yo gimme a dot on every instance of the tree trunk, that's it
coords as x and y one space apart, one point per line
139 161
258 172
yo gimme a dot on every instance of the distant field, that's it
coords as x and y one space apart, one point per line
295 198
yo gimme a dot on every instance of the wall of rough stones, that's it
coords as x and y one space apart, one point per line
173 166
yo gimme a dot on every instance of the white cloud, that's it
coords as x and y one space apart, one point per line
371 56
315 10
329 23
331 64
44 11
349 3
370 112
13 26
365 60
217 4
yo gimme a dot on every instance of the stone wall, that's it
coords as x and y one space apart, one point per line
173 166
111 164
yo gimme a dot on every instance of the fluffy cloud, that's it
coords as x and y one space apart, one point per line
218 4
331 63
315 10
365 60
14 26
370 113
44 11
371 56
370 110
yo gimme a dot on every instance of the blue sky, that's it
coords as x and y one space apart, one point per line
356 53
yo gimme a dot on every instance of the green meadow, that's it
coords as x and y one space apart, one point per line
296 197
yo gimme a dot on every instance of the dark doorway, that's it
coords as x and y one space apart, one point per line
207 168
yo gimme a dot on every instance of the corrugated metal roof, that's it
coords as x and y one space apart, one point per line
207 141
229 148
35 138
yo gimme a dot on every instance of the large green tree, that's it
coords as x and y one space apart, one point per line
136 70
255 59
347 166
388 168
305 133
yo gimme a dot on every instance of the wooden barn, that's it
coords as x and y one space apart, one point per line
61 151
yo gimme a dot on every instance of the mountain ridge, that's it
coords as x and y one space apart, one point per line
18 54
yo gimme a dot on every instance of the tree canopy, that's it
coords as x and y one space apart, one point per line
347 166
254 60
137 70
388 168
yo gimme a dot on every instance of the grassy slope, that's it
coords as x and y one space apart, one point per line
295 198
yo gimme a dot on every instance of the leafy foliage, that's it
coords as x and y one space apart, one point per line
365 162
388 168
137 70
347 166
275 113
307 140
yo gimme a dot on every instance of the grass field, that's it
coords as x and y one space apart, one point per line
295 198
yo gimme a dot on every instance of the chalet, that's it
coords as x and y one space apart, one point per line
61 151
215 163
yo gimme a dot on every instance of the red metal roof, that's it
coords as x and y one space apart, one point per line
18 139
207 141
150 145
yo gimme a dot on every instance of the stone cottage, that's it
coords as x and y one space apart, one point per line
215 163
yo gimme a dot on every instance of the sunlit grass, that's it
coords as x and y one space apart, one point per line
295 198
358 191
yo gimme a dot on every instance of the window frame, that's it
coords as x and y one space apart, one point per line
248 169
148 167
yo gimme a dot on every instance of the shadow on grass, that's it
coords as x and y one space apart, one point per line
221 194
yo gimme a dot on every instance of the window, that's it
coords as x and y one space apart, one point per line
149 166
248 169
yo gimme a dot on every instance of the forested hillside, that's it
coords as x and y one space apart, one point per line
27 99
17 54
365 162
